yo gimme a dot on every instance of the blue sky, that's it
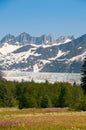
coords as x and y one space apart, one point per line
37 17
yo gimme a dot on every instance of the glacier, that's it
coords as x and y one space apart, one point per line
42 77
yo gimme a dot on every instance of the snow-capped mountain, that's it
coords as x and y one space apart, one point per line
42 54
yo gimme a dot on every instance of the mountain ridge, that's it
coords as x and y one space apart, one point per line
25 37
43 53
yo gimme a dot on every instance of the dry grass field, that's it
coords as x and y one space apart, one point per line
41 119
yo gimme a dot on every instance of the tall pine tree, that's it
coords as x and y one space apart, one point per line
83 78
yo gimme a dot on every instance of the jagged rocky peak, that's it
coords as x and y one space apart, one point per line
7 39
23 38
26 38
64 39
46 39
49 39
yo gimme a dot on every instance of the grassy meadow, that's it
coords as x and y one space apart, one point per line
41 119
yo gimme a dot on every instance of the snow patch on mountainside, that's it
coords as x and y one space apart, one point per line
78 57
34 45
7 48
12 58
35 68
80 47
45 61
67 40
60 53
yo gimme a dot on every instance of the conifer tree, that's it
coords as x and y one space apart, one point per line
83 78
46 102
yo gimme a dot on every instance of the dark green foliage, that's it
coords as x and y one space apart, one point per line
78 98
83 107
56 101
24 96
26 102
65 97
31 94
46 102
6 95
83 79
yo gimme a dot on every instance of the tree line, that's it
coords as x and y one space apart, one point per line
41 95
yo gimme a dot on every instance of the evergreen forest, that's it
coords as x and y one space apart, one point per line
42 95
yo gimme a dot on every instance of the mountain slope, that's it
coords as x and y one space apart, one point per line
44 53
